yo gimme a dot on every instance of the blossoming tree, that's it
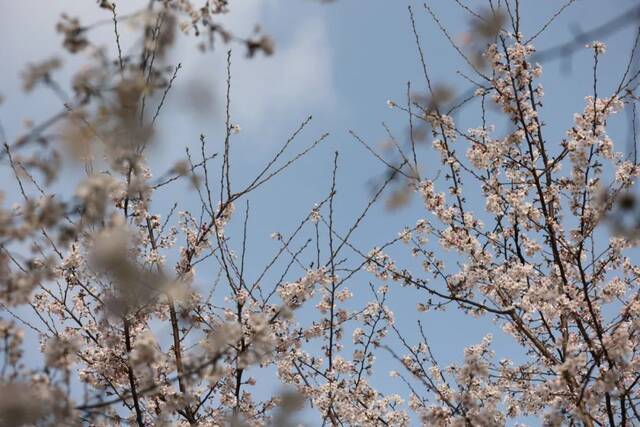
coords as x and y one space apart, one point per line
93 274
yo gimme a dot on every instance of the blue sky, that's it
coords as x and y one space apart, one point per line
339 62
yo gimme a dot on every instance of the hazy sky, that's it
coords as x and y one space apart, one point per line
340 62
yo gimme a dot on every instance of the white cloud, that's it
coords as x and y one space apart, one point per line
269 95
298 79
